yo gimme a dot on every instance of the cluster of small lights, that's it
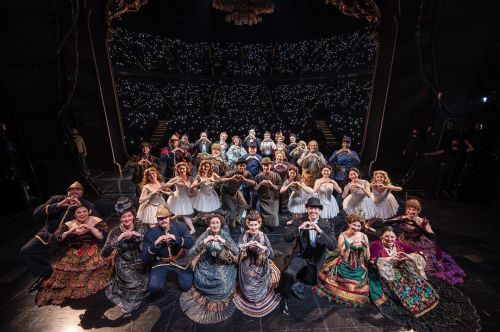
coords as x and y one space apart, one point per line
133 50
197 104
214 107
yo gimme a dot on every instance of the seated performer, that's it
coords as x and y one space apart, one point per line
344 275
80 271
312 236
258 276
129 286
166 246
402 274
55 212
214 258
418 233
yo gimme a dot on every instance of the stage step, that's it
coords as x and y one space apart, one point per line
159 133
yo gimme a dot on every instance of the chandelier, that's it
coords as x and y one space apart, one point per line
244 12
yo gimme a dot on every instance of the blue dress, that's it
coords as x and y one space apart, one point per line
210 301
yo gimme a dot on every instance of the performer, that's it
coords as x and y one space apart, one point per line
312 237
253 166
180 202
219 163
231 195
311 161
214 258
402 274
223 146
129 286
152 193
280 143
267 187
343 160
172 154
293 144
235 151
205 199
344 275
357 196
324 188
280 166
267 146
166 246
81 271
258 276
418 233
296 153
202 145
139 163
298 193
55 212
385 202
251 138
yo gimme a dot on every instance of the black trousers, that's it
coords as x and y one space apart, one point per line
299 268
36 255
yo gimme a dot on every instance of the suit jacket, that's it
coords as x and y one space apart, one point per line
183 240
302 247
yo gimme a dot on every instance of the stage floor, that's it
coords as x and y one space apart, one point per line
469 233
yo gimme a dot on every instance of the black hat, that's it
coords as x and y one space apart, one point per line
314 202
252 144
346 139
122 204
241 160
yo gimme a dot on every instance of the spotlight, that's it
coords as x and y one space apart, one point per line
484 99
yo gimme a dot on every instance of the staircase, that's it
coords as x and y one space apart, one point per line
330 139
159 133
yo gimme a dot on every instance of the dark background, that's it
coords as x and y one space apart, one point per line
52 80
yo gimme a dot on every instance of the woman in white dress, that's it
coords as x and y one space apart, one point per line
152 193
324 187
299 193
180 202
205 199
357 196
385 202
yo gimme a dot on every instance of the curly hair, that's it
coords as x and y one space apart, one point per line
203 163
147 171
179 165
413 203
387 180
355 217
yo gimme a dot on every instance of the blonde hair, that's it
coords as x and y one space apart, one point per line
384 174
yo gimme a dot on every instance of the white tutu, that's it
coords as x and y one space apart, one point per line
385 203
180 203
206 199
147 210
357 200
330 206
297 201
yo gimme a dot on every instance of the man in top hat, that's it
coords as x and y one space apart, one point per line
167 246
344 159
312 237
268 189
231 196
54 213
139 163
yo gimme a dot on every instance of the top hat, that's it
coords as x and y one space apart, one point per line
314 202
